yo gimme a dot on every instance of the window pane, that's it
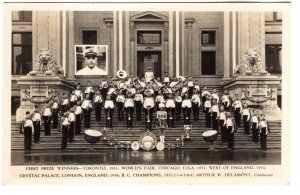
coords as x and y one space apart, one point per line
22 38
89 37
22 16
149 37
15 104
273 59
22 60
208 62
208 37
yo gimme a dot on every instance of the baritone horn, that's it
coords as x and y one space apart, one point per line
122 74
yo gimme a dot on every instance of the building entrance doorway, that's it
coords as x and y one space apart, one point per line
147 59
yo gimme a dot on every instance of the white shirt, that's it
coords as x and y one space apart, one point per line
65 102
204 93
215 96
237 104
215 108
129 103
36 117
28 123
197 87
55 105
89 90
178 99
225 98
222 116
78 110
190 84
109 104
229 122
65 121
246 112
207 104
71 117
73 98
86 104
47 112
196 99
149 76
254 119
104 84
138 97
120 98
263 124
166 80
148 101
186 103
170 103
98 98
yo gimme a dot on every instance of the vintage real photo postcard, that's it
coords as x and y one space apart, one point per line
146 93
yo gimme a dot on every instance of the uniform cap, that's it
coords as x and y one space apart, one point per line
90 52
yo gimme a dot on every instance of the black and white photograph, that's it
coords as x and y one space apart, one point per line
111 92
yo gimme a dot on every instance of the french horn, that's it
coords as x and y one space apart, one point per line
122 74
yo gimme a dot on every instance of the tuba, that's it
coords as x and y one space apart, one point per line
122 74
178 84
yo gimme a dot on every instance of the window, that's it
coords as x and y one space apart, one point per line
21 53
208 52
273 16
89 37
273 59
149 37
208 37
15 104
208 62
22 16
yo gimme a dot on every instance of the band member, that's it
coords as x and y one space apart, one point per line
246 118
65 124
196 86
215 96
149 75
129 107
237 106
138 101
170 108
72 100
225 100
112 91
71 118
109 109
98 100
65 103
186 108
215 114
130 89
190 86
120 105
46 113
254 126
78 93
103 87
207 108
27 129
178 102
222 124
184 89
161 116
166 79
158 99
78 114
264 129
148 110
204 95
89 91
231 129
196 102
55 110
87 109
37 121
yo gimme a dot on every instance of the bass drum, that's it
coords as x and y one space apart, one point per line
210 136
92 136
135 146
160 146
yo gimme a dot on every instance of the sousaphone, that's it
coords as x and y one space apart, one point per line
122 74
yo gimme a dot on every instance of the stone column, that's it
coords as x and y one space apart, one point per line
115 53
128 66
165 64
71 49
132 48
188 28
177 55
226 45
171 45
109 31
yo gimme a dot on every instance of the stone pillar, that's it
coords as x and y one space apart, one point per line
177 55
120 41
115 53
171 45
132 48
226 45
70 45
165 65
109 31
188 63
128 65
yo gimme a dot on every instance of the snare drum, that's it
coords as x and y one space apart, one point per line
135 146
160 146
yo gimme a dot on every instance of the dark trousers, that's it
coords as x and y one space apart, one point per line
190 91
87 117
226 105
138 110
109 115
65 135
223 131
77 124
120 106
214 120
230 138
64 108
186 115
71 131
47 125
177 110
103 92
170 117
246 124
263 138
98 111
55 118
37 131
129 116
27 138
149 118
207 118
72 104
237 117
254 132
195 108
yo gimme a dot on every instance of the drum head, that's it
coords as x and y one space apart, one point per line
135 146
160 146
93 133
209 133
